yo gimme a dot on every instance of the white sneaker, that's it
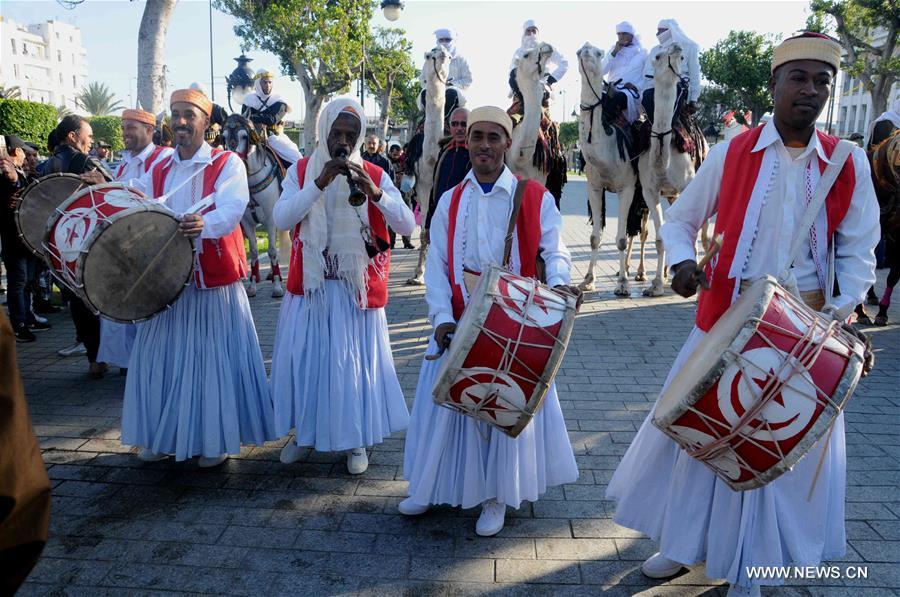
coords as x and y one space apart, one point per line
291 452
409 508
357 461
741 591
148 455
211 461
492 519
659 566
75 350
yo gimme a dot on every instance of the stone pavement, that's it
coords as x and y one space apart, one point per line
255 526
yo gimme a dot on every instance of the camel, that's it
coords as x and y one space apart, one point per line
436 69
663 169
605 167
530 73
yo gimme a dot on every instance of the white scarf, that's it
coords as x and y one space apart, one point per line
893 115
347 246
260 101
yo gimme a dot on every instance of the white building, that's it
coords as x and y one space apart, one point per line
854 104
45 60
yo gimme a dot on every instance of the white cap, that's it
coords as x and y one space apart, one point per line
529 23
625 27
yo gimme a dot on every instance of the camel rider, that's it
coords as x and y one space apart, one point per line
266 110
623 67
884 126
531 39
459 78
668 32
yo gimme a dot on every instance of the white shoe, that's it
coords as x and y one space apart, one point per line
492 519
211 461
148 455
291 452
75 350
357 461
659 566
741 591
409 508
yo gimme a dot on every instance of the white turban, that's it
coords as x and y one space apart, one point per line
529 23
625 27
439 33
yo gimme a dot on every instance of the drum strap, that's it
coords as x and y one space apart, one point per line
518 195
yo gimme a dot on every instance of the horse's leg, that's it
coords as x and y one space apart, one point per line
248 227
626 196
641 272
656 287
629 248
277 284
596 201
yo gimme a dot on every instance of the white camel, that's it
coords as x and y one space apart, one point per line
436 69
605 167
264 181
530 72
663 169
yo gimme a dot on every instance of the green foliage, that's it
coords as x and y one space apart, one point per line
387 62
293 135
405 105
320 41
739 66
713 104
12 92
31 121
109 129
568 133
98 100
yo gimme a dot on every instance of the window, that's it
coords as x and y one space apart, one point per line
843 121
14 47
73 58
852 119
71 39
59 55
57 35
60 79
862 118
847 80
16 70
24 49
74 82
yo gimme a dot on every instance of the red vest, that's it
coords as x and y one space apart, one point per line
222 261
738 179
379 267
148 163
528 233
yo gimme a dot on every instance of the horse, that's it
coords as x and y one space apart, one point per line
265 173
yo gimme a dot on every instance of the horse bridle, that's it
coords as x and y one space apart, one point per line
271 175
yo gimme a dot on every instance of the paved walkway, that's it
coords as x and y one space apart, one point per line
255 526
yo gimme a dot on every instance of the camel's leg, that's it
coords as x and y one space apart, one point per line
248 226
625 199
892 279
641 272
596 198
277 282
656 287
418 278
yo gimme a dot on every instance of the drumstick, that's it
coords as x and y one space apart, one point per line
713 249
443 347
149 265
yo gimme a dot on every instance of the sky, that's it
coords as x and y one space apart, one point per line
489 32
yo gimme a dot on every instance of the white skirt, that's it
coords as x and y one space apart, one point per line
333 376
116 342
453 459
197 382
673 498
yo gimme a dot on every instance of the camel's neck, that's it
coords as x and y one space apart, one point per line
532 94
591 118
664 105
435 101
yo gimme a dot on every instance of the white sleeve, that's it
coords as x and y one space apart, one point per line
562 65
697 203
693 60
606 62
635 70
514 63
647 76
557 259
437 276
294 203
230 200
855 239
395 211
463 78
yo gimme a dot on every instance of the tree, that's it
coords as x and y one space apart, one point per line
31 121
98 100
109 129
405 105
713 104
319 43
10 92
858 23
568 133
739 66
387 61
151 66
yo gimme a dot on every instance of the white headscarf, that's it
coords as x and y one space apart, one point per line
674 33
259 100
626 27
893 115
347 245
530 41
451 47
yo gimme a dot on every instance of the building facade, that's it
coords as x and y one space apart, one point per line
45 60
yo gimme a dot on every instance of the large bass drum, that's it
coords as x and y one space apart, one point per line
38 204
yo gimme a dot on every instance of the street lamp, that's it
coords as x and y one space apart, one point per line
391 9
240 81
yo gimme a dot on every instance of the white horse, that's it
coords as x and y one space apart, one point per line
264 176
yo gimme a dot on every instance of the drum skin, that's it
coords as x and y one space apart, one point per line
506 350
136 265
747 350
38 204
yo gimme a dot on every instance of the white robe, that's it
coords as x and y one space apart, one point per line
451 458
675 499
626 66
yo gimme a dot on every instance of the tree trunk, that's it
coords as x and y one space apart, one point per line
151 72
385 99
313 107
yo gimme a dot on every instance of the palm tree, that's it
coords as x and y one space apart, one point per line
62 112
10 92
98 100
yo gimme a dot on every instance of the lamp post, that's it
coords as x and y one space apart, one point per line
562 92
240 81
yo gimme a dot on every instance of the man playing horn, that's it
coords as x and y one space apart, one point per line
759 184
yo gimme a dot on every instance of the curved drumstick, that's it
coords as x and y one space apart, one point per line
714 247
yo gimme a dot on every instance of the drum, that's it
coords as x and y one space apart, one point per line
507 348
761 388
38 204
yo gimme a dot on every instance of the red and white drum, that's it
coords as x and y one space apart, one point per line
76 219
763 386
507 348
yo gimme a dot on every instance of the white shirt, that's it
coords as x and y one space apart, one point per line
782 202
230 196
487 220
295 202
557 59
134 170
690 67
627 65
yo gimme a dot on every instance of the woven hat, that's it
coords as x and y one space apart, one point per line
194 97
808 46
140 116
491 114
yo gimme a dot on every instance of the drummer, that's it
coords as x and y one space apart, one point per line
197 382
451 458
767 176
116 339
